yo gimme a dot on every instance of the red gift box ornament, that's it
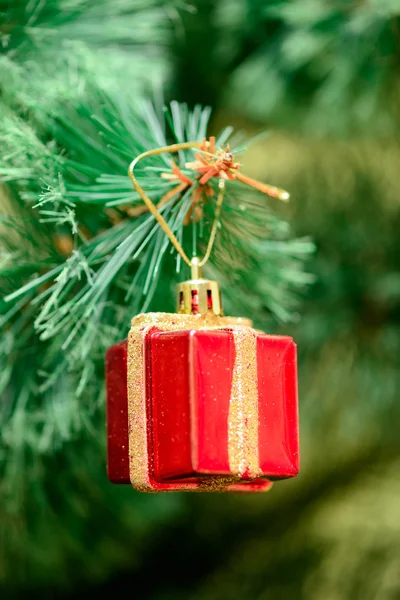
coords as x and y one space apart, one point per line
198 401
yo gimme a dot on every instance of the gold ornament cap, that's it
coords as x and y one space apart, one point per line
199 296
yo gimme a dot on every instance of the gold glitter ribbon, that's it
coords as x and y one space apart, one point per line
243 410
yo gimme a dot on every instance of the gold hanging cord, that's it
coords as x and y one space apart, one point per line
195 263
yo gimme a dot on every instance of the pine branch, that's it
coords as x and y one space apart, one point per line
102 266
49 51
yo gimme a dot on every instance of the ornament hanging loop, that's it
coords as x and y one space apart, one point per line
197 296
195 264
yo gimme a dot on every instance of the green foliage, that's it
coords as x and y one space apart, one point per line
311 65
332 58
52 50
30 28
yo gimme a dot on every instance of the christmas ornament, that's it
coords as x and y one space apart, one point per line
197 400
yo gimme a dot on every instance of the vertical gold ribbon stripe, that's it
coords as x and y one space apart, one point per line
243 411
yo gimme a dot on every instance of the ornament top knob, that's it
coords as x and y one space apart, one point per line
199 296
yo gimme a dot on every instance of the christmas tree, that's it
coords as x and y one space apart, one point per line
85 89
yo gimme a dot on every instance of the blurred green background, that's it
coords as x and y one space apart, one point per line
323 79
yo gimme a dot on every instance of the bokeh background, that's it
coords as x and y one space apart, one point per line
323 79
